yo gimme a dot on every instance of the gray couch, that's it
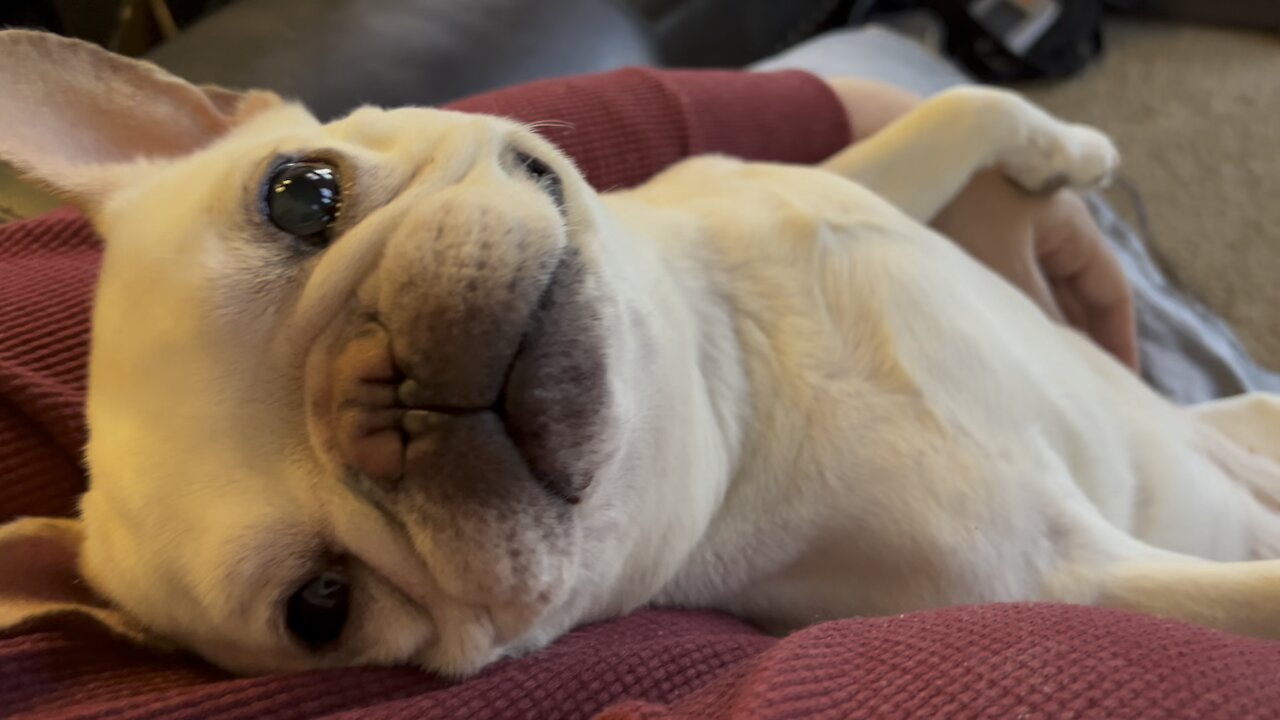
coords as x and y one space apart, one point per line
336 54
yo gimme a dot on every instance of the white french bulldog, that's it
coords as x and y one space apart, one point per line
402 388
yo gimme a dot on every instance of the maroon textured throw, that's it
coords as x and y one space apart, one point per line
1013 661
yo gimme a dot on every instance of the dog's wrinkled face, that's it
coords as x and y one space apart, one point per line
362 369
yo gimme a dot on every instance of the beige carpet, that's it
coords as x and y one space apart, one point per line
1196 113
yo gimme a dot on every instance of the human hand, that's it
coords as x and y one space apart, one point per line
1047 246
1051 249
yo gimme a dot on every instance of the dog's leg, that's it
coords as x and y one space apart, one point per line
1252 420
1239 597
920 162
1107 567
1245 443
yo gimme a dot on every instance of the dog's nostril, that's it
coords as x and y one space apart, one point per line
410 393
423 422
370 421
372 395
379 455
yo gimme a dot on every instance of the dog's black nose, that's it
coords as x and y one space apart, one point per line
457 293
386 429
483 362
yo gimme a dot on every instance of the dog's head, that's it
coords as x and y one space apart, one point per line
357 390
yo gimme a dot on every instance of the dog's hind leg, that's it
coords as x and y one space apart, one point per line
1252 420
921 161
1245 443
1109 568
1239 597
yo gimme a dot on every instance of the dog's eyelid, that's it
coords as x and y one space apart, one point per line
531 163
326 563
341 169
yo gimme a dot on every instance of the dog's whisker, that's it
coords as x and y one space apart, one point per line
556 124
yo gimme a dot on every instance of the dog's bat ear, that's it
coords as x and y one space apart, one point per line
40 579
75 116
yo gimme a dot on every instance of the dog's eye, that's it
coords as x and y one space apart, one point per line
303 199
542 174
317 612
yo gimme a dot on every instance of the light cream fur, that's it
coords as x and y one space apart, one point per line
815 407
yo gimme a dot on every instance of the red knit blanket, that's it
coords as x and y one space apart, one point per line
1009 661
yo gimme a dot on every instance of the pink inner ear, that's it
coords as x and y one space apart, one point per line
119 117
40 578
69 106
39 563
44 570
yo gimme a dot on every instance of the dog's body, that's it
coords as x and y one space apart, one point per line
497 405
896 428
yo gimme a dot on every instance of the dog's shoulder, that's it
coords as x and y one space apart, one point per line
687 181
700 174
792 200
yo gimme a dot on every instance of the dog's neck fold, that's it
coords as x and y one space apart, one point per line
687 429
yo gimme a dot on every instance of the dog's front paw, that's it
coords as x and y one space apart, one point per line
1060 155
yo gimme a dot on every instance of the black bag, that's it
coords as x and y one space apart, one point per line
1010 40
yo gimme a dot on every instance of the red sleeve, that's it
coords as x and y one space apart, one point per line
620 127
624 126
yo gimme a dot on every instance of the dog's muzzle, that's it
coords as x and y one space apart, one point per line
481 365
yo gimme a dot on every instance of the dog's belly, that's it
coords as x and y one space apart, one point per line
924 436
1032 403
